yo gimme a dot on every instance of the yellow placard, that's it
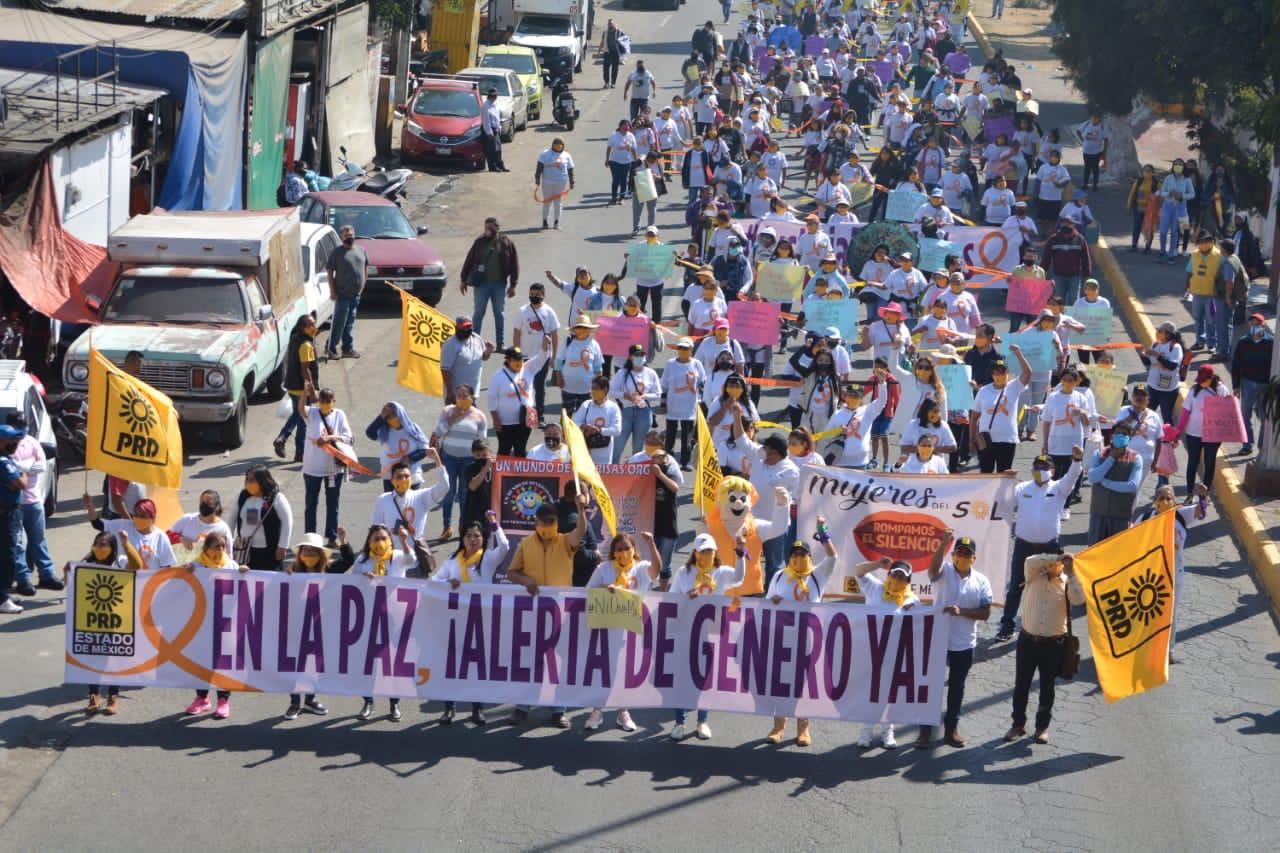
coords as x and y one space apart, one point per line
780 282
423 331
1107 385
1128 583
133 428
707 473
103 603
614 608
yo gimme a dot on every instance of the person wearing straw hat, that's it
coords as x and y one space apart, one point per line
580 361
313 557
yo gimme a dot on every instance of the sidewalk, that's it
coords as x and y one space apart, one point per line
1144 292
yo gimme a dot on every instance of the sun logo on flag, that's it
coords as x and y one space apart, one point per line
137 412
426 330
104 593
1146 597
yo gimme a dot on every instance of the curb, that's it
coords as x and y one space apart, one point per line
1228 490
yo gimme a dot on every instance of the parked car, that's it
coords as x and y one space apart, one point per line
442 123
22 392
318 242
396 255
524 62
513 104
210 308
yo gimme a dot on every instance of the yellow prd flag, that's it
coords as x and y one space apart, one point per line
423 331
584 469
708 472
133 428
1128 583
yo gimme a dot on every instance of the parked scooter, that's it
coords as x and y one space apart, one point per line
564 107
389 183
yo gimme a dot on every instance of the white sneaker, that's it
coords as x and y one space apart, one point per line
595 721
625 722
1066 515
863 742
679 732
10 606
890 742
704 731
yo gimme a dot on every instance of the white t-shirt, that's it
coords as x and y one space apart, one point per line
316 462
888 341
998 205
935 464
622 147
1147 429
606 417
1050 176
684 580
414 506
642 84
954 188
1001 423
481 572
555 167
582 361
192 529
873 592
637 577
1158 378
968 593
855 424
153 547
941 432
396 566
680 382
542 453
251 516
1061 412
789 590
535 324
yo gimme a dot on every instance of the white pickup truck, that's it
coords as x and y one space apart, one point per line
559 31
209 299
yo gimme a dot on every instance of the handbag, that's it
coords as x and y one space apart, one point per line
1070 646
1166 463
984 436
596 440
240 548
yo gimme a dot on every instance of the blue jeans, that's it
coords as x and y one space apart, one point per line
484 294
455 467
1221 325
635 423
1067 286
681 714
343 327
1206 332
295 422
331 492
666 548
10 549
619 174
37 555
1249 391
1170 213
775 556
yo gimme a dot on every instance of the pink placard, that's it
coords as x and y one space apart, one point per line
1222 420
754 323
1028 295
616 334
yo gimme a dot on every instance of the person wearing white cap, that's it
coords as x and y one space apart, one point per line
907 284
936 209
717 342
893 592
703 574
649 289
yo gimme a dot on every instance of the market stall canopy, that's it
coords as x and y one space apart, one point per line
192 10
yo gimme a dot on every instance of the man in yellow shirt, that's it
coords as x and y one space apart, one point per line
1202 271
546 559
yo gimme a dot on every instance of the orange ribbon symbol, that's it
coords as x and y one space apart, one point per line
170 651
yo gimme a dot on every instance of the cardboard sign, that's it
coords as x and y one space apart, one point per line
646 189
755 323
780 282
616 334
614 608
649 262
955 380
1037 348
1222 420
903 205
1097 320
933 253
1028 295
841 313
1108 388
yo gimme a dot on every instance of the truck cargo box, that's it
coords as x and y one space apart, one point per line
240 238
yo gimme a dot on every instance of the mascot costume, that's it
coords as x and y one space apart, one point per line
732 515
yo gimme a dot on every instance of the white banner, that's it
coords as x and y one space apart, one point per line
902 517
987 248
343 634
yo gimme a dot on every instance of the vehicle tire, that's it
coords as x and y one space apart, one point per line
51 499
274 388
578 66
507 136
232 432
568 123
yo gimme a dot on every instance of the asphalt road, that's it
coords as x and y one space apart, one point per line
1187 767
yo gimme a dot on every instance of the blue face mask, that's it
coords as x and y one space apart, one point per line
1120 441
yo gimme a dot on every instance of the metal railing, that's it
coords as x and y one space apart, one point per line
104 84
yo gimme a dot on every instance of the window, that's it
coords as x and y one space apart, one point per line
256 297
487 82
176 300
457 103
309 210
372 221
518 62
34 412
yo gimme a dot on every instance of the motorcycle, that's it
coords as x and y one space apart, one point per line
388 183
564 107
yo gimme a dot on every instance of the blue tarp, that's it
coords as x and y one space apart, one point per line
204 75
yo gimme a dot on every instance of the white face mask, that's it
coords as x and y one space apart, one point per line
1040 475
637 361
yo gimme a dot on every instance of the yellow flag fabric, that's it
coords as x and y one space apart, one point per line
584 468
708 472
133 428
423 331
1128 583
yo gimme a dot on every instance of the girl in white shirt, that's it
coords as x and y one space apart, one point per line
892 592
380 558
801 581
681 380
800 448
620 152
601 421
151 543
874 272
929 422
624 570
194 526
326 425
729 419
1163 378
215 554
922 459
475 561
760 190
854 420
264 518
703 574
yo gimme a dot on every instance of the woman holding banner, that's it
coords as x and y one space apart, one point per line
624 571
801 581
113 552
475 561
458 428
264 520
703 574
214 554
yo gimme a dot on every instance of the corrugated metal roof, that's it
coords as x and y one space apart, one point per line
43 108
194 10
